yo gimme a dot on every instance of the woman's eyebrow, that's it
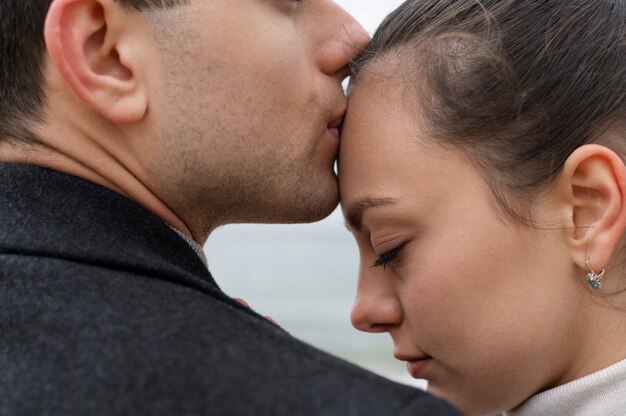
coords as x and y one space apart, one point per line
355 211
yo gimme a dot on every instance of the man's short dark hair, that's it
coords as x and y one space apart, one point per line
21 61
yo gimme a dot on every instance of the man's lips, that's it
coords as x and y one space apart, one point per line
335 124
338 115
333 127
336 118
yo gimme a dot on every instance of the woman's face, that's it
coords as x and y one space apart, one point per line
476 303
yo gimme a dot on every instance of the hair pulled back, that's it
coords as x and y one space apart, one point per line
22 50
518 84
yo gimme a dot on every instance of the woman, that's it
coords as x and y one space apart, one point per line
482 176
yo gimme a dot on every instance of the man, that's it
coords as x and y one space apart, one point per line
131 129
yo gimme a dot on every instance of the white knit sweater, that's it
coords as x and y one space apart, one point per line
599 394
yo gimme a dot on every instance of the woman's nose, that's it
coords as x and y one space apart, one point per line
376 307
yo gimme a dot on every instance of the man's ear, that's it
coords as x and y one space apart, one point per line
97 48
593 182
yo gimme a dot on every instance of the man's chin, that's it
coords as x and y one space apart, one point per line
297 215
320 213
303 208
305 213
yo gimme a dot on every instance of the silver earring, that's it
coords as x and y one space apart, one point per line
594 279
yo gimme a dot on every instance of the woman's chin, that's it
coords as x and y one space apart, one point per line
469 406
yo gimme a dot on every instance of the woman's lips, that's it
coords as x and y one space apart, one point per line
417 368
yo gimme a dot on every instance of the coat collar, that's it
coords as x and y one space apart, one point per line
51 214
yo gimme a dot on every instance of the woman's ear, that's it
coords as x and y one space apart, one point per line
96 45
593 182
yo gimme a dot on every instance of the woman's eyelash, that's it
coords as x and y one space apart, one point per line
385 259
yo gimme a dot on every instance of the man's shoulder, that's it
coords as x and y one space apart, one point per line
132 343
105 310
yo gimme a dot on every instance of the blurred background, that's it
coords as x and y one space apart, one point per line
304 276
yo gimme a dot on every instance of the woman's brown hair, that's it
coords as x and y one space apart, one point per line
518 84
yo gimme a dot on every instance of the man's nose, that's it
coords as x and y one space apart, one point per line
376 307
346 40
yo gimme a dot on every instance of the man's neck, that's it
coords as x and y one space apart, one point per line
85 158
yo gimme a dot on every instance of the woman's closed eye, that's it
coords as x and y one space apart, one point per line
388 257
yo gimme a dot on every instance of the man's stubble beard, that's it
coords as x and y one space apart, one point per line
281 194
219 172
267 188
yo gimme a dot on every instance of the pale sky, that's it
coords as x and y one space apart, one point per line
369 12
